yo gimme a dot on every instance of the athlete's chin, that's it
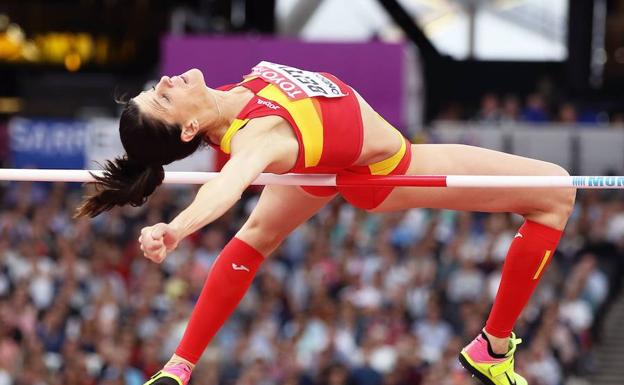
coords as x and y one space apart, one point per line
195 76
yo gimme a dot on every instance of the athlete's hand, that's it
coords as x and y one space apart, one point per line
158 240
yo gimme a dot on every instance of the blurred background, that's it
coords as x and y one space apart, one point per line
351 298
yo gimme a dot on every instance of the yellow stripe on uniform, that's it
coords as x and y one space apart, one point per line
307 119
226 141
541 266
386 166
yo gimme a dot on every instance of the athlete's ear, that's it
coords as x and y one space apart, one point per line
189 130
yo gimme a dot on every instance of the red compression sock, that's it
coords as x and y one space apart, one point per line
227 282
529 254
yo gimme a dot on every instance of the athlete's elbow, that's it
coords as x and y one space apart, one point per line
231 199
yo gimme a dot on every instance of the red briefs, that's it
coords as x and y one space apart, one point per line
368 197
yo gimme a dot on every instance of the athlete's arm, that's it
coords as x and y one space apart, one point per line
253 150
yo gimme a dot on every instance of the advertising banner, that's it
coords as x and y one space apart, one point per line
47 143
77 144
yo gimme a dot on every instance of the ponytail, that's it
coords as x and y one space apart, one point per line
123 181
149 143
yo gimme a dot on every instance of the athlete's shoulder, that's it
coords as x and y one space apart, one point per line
261 131
269 135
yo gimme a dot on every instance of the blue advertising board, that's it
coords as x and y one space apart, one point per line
47 143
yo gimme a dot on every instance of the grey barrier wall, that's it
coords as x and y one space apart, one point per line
582 149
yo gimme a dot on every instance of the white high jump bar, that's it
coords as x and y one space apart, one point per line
478 181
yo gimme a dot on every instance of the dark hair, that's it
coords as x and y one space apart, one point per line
149 144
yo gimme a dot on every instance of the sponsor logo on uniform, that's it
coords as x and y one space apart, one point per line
268 104
240 267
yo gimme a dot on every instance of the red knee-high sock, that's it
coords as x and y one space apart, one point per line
226 284
529 254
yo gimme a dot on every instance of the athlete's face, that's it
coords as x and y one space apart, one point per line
177 99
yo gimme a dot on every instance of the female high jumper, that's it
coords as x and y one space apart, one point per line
281 119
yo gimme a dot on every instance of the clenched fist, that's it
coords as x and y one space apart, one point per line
158 240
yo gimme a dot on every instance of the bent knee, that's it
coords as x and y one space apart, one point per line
558 210
565 197
259 236
556 204
562 206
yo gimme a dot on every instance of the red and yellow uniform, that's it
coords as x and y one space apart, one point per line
329 131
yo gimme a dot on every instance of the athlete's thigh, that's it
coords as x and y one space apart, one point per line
279 211
454 159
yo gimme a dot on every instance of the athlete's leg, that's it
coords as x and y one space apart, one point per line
279 211
548 206
490 356
546 212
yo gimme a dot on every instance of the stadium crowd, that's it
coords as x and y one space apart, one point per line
542 105
350 298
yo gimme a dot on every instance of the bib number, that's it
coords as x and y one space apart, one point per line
296 83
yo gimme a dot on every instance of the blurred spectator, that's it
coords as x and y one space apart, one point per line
453 111
535 109
433 333
489 112
617 119
540 107
511 109
350 298
567 113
